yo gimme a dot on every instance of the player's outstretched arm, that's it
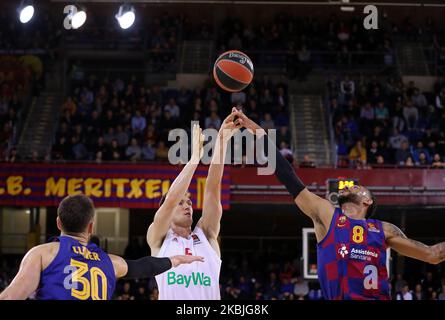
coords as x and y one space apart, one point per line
148 266
161 223
212 208
398 241
317 208
28 277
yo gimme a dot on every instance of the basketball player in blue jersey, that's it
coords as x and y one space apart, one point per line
351 249
74 269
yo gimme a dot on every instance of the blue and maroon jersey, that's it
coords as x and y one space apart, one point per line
77 272
352 260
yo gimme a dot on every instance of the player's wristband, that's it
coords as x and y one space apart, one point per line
147 267
285 173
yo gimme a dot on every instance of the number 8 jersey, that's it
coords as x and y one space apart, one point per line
77 272
351 260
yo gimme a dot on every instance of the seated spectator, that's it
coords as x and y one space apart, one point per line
373 152
437 162
301 288
442 293
418 99
396 139
307 162
403 153
213 121
423 161
419 150
114 152
267 123
148 151
173 108
367 112
411 115
161 151
418 293
133 151
138 123
409 162
381 112
440 99
405 294
358 153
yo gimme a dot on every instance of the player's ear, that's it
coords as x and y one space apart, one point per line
367 201
91 227
59 224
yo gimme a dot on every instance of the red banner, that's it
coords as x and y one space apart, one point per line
109 185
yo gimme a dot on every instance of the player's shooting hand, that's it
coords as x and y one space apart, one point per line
177 260
231 124
249 124
197 143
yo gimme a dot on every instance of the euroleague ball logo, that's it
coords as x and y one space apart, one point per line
242 59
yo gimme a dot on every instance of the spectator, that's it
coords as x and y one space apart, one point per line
403 153
409 162
418 151
133 151
411 115
121 137
367 112
397 139
173 108
373 152
213 121
405 294
148 151
418 293
440 99
442 293
437 162
301 288
381 112
138 123
400 283
418 99
161 151
267 123
307 162
358 153
238 98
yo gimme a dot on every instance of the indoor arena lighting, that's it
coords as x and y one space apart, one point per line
26 11
79 19
125 16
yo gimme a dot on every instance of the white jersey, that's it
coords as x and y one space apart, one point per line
194 281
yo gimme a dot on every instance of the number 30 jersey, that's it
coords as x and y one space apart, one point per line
77 272
351 260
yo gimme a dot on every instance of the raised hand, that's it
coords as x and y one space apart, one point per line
249 124
231 124
197 143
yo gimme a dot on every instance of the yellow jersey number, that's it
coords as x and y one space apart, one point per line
89 289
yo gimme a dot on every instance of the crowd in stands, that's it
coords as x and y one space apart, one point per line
307 42
386 122
116 120
16 78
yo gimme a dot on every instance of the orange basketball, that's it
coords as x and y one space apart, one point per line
233 71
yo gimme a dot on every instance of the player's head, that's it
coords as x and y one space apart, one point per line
75 215
183 212
360 196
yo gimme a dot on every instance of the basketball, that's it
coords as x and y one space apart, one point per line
233 71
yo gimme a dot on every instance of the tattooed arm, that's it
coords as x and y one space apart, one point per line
398 241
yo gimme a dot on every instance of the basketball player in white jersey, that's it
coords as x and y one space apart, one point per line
171 233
